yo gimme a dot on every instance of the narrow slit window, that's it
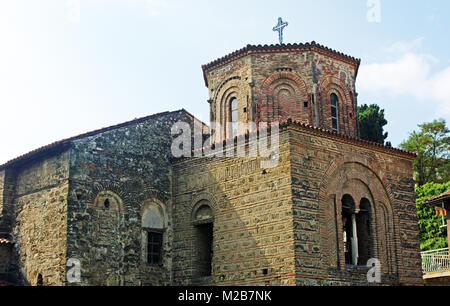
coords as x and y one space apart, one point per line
334 112
234 117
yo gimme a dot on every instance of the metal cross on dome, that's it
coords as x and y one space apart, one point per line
279 28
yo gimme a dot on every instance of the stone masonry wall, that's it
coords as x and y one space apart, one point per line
2 184
40 219
252 228
7 189
130 165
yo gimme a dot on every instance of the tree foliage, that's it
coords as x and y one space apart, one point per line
371 122
432 144
432 235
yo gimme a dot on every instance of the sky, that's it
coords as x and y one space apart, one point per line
72 66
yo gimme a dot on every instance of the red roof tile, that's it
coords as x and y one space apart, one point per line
439 197
62 144
278 48
322 131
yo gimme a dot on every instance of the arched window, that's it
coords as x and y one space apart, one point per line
234 117
107 201
334 112
153 228
356 231
348 231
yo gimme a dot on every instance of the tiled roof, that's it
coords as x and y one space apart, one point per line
6 241
351 138
438 198
313 46
65 143
326 132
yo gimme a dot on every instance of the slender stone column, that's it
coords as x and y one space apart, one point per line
354 241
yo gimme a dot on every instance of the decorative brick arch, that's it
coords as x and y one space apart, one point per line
383 224
153 194
269 103
117 189
232 88
369 163
113 190
222 85
283 75
204 197
347 112
202 233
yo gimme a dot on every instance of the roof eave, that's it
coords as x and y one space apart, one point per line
276 48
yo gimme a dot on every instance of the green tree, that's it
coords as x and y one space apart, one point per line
371 122
432 144
432 235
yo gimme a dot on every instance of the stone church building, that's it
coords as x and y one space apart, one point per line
118 203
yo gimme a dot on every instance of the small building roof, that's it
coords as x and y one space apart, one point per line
443 198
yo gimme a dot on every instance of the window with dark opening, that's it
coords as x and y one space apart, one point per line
106 203
356 231
234 117
40 280
154 247
334 112
153 229
363 230
204 249
348 212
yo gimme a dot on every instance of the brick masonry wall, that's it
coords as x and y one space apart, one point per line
274 86
323 170
290 217
227 82
131 163
253 234
40 219
307 73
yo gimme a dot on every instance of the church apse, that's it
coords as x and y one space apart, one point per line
347 211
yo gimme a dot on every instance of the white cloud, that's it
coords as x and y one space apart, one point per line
405 46
154 7
410 75
151 7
